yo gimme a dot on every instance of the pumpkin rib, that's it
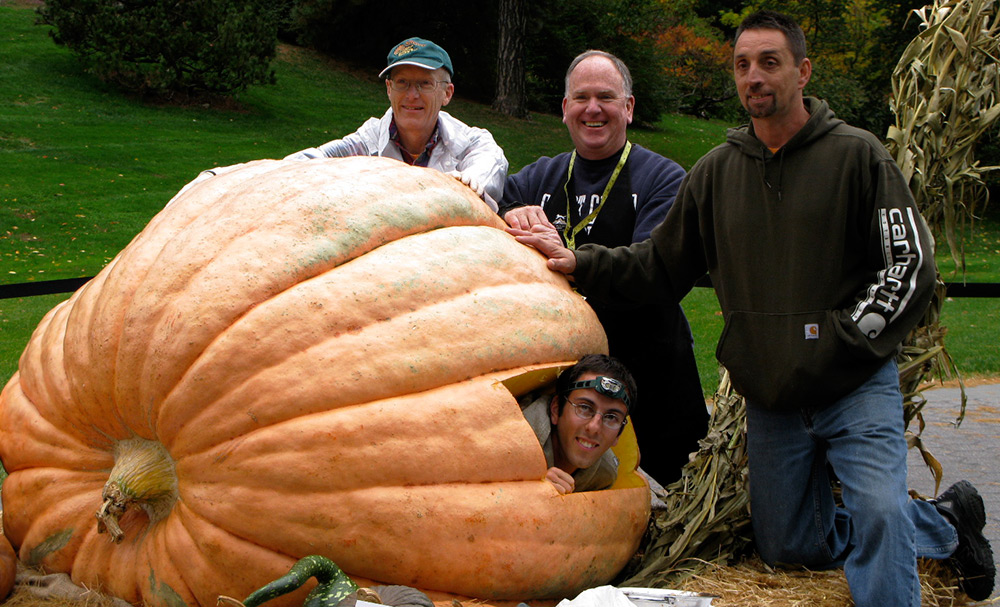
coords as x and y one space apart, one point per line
103 301
30 439
55 375
279 352
129 270
29 363
370 435
46 383
385 533
109 567
270 268
165 582
51 514
211 556
325 288
412 365
133 278
85 358
40 363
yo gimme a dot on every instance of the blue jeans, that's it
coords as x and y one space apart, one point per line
880 531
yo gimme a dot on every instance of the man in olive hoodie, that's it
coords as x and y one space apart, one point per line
822 265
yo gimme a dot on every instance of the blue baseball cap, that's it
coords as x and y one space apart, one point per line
418 52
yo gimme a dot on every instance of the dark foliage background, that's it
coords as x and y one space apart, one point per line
163 49
556 32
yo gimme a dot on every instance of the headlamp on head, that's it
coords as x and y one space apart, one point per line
608 386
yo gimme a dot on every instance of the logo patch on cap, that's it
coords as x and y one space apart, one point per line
406 47
812 331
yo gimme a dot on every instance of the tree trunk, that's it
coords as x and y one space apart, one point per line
511 98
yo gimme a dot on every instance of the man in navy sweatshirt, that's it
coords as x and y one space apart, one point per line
611 192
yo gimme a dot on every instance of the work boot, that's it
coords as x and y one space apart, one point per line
962 505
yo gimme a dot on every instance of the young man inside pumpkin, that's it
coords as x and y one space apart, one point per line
577 439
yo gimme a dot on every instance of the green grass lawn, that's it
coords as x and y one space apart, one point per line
84 169
974 323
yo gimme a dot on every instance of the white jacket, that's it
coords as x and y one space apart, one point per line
467 149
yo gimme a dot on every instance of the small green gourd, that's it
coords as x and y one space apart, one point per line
333 585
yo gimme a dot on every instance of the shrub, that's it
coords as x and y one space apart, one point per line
161 47
559 31
699 72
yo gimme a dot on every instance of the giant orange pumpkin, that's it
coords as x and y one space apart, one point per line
302 358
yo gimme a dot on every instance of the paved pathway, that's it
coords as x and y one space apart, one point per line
971 451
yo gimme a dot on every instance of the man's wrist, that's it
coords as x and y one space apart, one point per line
508 208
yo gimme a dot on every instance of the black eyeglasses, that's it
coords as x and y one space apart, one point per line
423 86
611 420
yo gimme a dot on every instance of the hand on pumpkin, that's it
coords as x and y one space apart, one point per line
561 479
524 218
469 180
547 241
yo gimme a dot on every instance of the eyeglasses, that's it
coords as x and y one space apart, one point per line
423 86
611 421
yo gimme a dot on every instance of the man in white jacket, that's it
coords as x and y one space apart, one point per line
414 130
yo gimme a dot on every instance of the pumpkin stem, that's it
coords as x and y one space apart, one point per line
143 476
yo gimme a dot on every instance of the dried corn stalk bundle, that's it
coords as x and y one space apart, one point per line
945 95
707 516
923 357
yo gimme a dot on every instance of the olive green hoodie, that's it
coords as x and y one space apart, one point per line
819 257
